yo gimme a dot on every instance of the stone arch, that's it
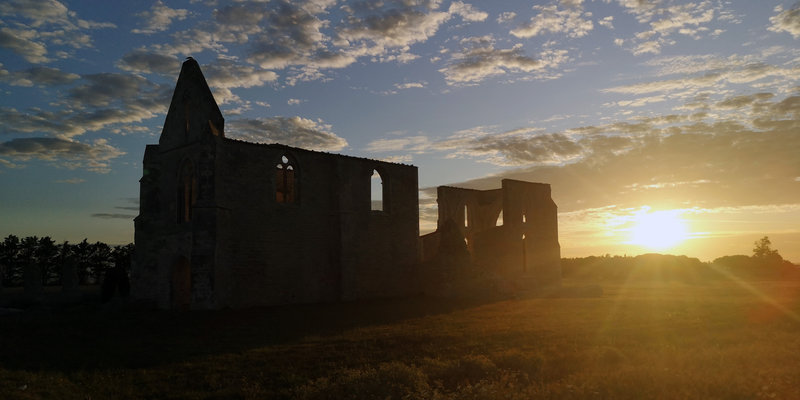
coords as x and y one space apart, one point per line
377 193
181 284
286 188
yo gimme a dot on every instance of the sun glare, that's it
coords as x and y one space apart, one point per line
658 230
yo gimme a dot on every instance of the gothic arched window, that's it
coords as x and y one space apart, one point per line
285 181
376 191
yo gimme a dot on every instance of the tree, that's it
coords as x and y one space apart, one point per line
763 250
9 259
47 258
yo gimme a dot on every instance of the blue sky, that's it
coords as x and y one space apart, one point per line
626 107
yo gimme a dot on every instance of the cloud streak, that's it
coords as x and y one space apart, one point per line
291 131
95 156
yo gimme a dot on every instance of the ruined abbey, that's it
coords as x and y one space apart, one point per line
228 223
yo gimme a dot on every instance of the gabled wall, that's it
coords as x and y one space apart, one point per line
525 242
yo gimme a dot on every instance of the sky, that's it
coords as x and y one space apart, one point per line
661 126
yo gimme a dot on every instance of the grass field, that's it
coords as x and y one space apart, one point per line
723 340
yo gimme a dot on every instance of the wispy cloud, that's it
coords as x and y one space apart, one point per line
786 20
159 18
41 76
113 216
93 156
292 131
71 181
34 27
550 19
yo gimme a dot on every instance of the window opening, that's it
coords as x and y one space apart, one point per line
524 218
376 191
466 216
285 188
499 220
214 130
524 254
187 192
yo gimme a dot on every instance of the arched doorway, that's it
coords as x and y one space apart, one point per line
181 284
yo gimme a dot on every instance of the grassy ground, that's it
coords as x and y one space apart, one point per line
720 340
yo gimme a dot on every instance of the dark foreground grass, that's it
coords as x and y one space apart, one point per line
721 340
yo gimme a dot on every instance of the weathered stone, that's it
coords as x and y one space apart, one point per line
227 223
524 242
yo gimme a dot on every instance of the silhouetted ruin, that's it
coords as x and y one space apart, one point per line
227 223
512 231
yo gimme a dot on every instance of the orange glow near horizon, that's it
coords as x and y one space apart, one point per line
658 230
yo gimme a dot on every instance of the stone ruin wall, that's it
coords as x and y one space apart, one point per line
512 231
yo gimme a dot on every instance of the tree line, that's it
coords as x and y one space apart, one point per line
765 263
91 261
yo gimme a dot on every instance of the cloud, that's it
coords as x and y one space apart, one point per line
71 181
291 131
113 216
49 23
95 156
409 85
658 161
20 42
607 22
301 38
8 164
160 17
147 62
479 60
665 19
226 74
511 148
506 17
550 19
39 122
786 20
42 76
286 35
387 31
294 102
100 101
479 63
705 73
467 12
416 144
105 88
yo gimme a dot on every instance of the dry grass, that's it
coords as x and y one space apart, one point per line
720 340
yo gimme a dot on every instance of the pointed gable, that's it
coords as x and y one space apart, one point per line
193 112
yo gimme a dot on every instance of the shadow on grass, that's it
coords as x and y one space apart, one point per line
98 337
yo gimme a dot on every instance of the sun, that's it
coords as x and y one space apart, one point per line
658 230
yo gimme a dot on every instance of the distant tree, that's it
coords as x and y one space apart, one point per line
100 260
11 273
46 255
763 250
82 252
